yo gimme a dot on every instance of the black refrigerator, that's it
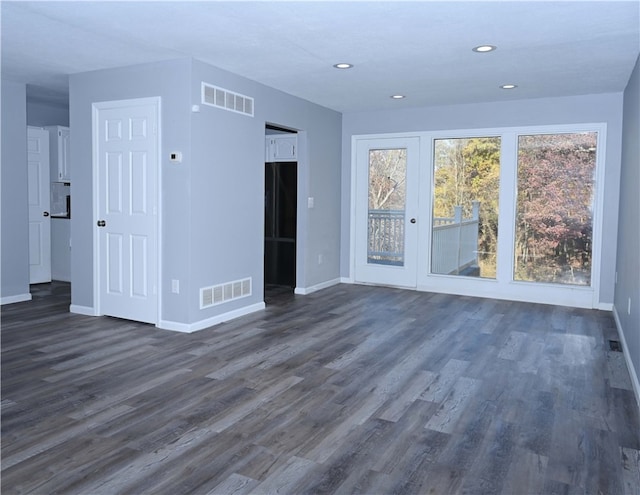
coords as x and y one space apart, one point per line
280 217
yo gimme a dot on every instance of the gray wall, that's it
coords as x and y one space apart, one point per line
170 81
628 259
15 211
40 113
228 159
212 203
605 108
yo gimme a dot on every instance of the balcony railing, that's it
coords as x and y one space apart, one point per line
386 237
454 240
454 245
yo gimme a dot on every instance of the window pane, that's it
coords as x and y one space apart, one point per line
387 191
465 206
555 208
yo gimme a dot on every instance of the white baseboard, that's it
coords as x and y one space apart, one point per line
346 280
83 310
303 291
15 299
604 306
209 322
627 357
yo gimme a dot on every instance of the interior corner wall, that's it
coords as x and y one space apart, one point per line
170 81
227 188
14 227
40 114
600 108
627 293
212 203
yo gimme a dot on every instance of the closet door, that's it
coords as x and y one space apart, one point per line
39 202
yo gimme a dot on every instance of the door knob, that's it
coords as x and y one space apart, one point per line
45 214
413 220
101 223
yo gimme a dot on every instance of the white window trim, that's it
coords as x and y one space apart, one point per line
503 287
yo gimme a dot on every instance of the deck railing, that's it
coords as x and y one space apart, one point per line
386 237
454 240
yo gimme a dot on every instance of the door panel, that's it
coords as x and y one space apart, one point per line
39 204
128 162
386 211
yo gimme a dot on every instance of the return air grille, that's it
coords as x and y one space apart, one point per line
218 294
226 100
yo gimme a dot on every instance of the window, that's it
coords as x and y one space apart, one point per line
554 212
465 206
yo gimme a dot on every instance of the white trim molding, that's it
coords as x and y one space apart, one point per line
627 357
303 291
209 322
15 299
83 310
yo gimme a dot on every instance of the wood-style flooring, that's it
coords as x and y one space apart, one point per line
352 389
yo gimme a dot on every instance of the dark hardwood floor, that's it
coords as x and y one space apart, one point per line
352 389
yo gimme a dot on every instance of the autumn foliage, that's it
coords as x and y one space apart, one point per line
554 207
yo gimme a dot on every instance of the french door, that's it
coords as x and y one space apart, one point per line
386 211
511 213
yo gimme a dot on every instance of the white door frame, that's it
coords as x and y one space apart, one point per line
96 107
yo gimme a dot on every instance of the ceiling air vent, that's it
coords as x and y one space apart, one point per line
226 100
218 294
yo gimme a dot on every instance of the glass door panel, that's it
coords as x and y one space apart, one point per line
386 207
464 232
387 201
554 212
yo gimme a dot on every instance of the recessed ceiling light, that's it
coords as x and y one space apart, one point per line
343 65
484 48
397 97
509 86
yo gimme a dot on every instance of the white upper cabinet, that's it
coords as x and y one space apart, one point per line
281 148
59 153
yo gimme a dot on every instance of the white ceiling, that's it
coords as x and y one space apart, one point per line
421 49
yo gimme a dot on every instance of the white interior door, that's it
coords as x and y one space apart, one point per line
39 201
127 165
386 211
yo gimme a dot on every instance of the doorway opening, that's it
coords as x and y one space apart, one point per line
280 212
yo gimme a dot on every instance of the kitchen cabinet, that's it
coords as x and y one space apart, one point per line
281 148
59 153
61 249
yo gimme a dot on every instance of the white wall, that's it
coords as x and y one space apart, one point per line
628 259
605 108
14 228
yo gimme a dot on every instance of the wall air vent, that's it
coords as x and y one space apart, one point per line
218 294
226 100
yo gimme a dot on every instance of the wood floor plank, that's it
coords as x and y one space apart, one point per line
631 470
352 389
